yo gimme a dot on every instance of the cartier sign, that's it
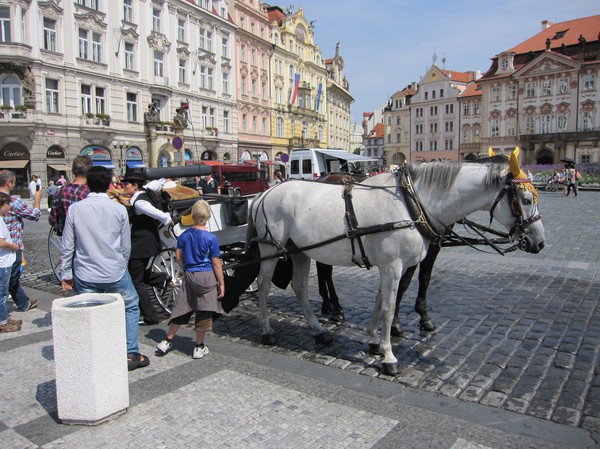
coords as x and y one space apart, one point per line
11 152
55 153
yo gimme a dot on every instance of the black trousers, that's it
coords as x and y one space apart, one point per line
137 271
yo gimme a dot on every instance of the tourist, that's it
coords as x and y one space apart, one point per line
8 250
96 244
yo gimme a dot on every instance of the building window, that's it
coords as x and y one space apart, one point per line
448 144
589 82
253 61
449 109
10 92
529 125
128 11
278 95
206 78
156 20
476 108
264 126
96 47
561 123
495 128
495 93
511 92
476 133
530 90
449 127
426 95
244 123
49 34
546 87
132 114
159 64
225 83
182 70
52 105
181 30
587 121
253 88
254 124
226 121
563 85
279 127
511 127
465 135
129 56
93 4
243 85
205 39
100 101
546 124
204 117
466 109
5 24
225 47
263 88
83 44
86 99
211 117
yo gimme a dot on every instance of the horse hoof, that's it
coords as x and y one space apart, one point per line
324 338
269 339
397 331
391 369
427 326
374 349
326 309
337 317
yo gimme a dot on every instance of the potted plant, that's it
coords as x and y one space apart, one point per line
105 118
6 107
21 108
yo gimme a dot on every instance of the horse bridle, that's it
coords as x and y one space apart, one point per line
511 189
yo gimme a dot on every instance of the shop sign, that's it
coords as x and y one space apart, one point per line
133 154
14 152
96 153
55 153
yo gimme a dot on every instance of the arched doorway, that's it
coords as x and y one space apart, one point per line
545 157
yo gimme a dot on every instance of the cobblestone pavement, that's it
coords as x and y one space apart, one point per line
518 333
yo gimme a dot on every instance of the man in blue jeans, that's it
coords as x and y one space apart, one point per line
96 244
14 222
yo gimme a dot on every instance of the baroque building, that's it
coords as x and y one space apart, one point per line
117 80
396 118
298 83
543 95
435 114
338 102
253 53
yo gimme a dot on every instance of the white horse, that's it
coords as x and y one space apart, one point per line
309 220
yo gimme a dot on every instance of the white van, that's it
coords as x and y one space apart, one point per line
312 163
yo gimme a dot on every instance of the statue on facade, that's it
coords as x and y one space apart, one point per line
152 116
180 118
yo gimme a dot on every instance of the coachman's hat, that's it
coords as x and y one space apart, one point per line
136 177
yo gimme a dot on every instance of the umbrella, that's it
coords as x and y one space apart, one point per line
568 160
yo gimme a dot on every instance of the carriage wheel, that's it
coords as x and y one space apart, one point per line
165 262
54 245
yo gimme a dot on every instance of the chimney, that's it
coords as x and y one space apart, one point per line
546 24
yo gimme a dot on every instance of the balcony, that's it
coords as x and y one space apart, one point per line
301 142
161 81
566 136
98 120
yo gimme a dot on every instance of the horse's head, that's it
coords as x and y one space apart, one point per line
521 215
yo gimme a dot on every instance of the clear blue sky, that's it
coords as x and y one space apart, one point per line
387 44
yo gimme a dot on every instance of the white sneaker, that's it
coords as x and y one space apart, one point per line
164 346
200 352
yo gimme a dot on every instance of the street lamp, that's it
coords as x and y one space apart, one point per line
121 145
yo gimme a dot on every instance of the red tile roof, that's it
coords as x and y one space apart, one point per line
464 77
378 130
562 33
472 90
275 14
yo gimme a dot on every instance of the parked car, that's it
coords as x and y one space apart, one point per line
240 179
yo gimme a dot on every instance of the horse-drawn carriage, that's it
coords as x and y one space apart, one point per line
228 223
387 221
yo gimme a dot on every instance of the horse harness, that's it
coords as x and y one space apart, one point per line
511 189
419 220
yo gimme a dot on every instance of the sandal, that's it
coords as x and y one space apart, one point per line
137 360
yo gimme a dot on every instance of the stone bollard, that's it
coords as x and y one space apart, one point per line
90 358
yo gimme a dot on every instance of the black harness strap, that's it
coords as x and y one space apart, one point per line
352 224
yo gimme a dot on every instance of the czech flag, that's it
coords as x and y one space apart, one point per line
294 92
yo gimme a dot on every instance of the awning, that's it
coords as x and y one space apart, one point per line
59 167
105 164
211 163
14 164
249 162
346 156
267 163
134 164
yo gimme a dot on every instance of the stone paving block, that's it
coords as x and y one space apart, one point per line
493 399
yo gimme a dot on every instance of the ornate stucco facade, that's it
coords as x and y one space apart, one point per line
253 53
298 74
396 118
338 102
82 76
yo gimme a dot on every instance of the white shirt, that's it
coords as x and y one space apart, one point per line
7 256
96 240
32 186
143 207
